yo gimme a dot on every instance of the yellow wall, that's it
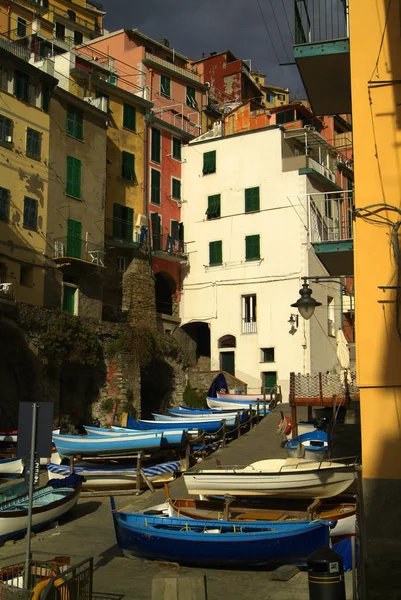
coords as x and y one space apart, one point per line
24 176
377 151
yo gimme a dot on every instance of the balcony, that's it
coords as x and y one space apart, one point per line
123 233
69 249
322 54
330 228
169 248
186 73
249 325
6 290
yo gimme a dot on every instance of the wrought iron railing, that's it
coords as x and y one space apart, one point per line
318 20
185 71
73 247
6 290
331 216
169 245
249 326
124 232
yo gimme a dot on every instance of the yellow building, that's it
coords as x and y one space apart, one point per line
24 159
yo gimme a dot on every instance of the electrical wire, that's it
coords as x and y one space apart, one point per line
375 68
267 31
279 30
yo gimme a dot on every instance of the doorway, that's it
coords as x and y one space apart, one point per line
269 380
227 362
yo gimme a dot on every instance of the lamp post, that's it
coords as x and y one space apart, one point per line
306 304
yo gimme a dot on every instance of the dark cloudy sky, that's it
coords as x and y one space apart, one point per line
196 26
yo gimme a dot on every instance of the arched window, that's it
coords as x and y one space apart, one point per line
227 341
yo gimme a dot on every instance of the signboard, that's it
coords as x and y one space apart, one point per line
44 428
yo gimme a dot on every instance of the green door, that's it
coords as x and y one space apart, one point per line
269 380
227 362
74 238
69 299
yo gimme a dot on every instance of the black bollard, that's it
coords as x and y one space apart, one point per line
326 575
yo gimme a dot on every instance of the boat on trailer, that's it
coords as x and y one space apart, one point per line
217 404
88 445
174 438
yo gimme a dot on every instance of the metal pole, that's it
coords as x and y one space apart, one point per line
28 556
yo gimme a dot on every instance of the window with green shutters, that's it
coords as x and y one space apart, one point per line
129 117
252 247
165 86
155 145
21 85
155 177
74 238
128 166
4 204
123 222
215 253
74 168
252 199
191 96
176 189
209 162
33 142
6 130
213 207
176 148
30 213
75 122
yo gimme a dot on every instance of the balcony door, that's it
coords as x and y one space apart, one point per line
74 238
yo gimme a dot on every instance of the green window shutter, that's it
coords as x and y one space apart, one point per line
176 189
33 139
175 230
165 86
129 117
252 247
74 238
156 237
74 168
213 207
155 145
117 221
176 148
252 199
129 212
69 299
75 123
128 166
21 85
155 186
209 162
215 253
4 204
191 97
30 213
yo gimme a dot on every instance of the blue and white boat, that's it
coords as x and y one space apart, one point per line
88 445
174 438
117 476
11 467
216 543
205 414
312 446
230 419
225 404
208 426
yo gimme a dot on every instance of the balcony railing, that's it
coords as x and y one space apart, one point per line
249 326
75 248
186 72
321 169
331 216
15 48
124 232
6 290
168 246
317 21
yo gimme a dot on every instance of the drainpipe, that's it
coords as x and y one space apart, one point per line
145 190
8 21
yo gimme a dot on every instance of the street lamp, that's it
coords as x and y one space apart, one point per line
306 304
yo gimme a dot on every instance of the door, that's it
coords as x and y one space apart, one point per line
156 239
74 238
269 380
227 362
69 299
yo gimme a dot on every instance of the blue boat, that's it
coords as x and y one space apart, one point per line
216 543
230 419
96 445
312 446
174 438
208 426
206 412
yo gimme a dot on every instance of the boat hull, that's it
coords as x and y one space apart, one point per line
72 445
215 403
11 466
174 438
208 426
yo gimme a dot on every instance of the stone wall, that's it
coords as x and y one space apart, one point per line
139 293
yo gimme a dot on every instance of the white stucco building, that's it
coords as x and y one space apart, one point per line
248 215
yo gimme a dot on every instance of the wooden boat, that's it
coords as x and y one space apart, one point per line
11 467
204 414
13 490
49 504
173 438
312 446
243 397
190 433
216 543
115 476
217 404
230 419
291 478
87 445
208 426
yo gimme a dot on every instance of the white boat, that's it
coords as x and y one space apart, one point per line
217 403
291 478
242 397
228 416
11 466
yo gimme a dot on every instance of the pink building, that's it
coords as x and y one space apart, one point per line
165 77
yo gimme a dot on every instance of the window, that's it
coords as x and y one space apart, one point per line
123 222
75 122
121 264
281 96
45 98
252 200
21 27
34 95
5 76
60 31
252 247
227 341
112 79
100 94
215 253
175 230
26 276
78 37
71 15
33 142
249 314
213 207
286 116
209 162
30 213
191 97
165 86
176 148
267 355
155 177
21 85
129 117
331 327
155 145
176 189
73 186
6 130
4 204
128 166
328 205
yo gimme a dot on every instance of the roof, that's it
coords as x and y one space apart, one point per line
232 135
314 139
216 54
159 44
